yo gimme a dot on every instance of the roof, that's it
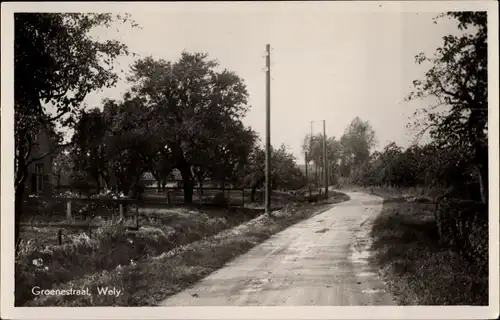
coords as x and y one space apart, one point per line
149 176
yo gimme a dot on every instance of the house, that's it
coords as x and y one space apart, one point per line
40 171
149 181
175 181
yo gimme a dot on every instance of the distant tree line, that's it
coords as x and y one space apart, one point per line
456 158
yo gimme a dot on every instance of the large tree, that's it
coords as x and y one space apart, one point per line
196 107
89 152
132 141
458 80
357 143
56 64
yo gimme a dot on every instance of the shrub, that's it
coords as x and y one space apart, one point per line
220 200
464 225
43 208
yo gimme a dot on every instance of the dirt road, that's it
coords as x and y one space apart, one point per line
321 261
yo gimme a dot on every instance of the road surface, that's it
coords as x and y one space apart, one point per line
321 261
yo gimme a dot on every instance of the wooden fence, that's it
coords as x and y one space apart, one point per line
114 208
175 195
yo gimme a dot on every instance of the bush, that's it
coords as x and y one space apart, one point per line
464 225
41 209
220 200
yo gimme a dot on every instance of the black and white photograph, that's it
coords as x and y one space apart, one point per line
295 155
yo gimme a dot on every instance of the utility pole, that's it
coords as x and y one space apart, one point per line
307 177
268 129
325 163
310 150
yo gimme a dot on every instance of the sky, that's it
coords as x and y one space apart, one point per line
324 64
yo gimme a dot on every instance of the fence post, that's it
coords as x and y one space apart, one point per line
168 195
68 211
243 196
59 237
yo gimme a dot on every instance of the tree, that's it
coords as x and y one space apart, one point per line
89 148
231 157
132 143
62 166
284 171
356 144
314 148
56 63
195 105
458 80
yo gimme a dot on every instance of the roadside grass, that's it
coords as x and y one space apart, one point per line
417 267
41 262
417 194
149 281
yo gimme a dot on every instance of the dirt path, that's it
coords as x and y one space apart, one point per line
320 261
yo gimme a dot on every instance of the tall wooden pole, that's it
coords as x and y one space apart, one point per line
325 164
307 176
268 129
310 151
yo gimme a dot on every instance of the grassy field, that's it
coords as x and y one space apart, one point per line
147 281
42 262
418 268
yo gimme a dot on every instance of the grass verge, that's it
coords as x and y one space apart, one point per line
147 282
418 268
41 262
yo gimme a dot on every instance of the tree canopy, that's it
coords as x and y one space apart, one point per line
56 64
458 79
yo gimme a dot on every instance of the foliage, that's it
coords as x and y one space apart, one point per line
313 145
184 115
62 167
464 224
458 79
110 247
56 63
285 174
357 143
88 152
345 157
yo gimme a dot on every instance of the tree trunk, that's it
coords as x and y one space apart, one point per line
254 188
20 181
106 179
482 176
187 183
18 208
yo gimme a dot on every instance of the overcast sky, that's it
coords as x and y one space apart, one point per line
324 64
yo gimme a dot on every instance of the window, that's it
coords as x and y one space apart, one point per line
39 168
